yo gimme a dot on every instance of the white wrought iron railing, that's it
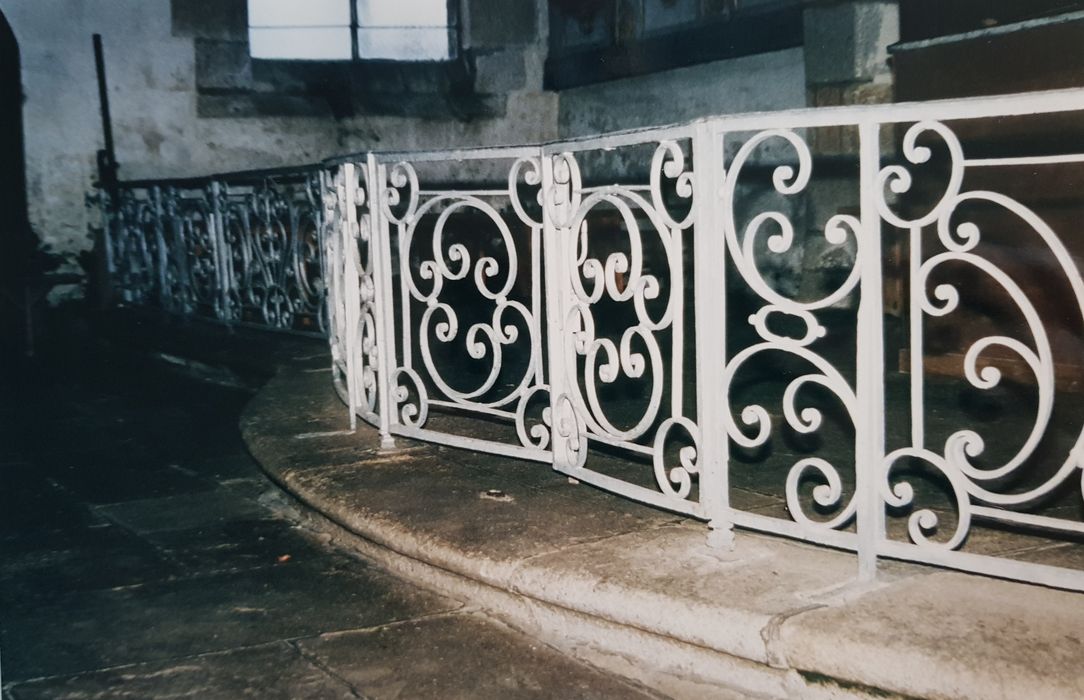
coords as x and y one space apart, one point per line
638 311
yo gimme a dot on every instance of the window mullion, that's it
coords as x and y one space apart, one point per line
354 50
455 28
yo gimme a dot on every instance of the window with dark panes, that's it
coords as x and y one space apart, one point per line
927 19
967 48
597 40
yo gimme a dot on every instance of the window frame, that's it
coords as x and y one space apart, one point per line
730 32
453 27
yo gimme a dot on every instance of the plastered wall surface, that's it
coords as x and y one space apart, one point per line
152 77
749 84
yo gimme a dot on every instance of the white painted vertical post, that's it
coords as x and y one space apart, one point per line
384 304
329 232
321 229
554 203
180 252
869 373
915 294
218 240
162 256
109 221
176 252
709 295
537 307
351 294
406 320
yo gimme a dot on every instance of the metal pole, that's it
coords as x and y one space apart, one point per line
107 179
162 257
103 102
869 374
384 304
709 279
351 294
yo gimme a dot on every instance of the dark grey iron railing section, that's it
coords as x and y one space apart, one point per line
242 248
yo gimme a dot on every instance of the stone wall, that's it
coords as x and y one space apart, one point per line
504 44
187 100
722 87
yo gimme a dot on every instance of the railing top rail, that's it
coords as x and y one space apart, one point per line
480 153
1019 104
253 175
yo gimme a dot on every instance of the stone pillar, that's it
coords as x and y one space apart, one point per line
846 63
509 43
846 51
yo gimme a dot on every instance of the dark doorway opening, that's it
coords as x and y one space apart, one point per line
17 242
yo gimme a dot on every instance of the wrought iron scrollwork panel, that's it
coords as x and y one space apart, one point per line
333 220
274 262
789 378
622 274
957 470
469 305
197 252
359 251
135 245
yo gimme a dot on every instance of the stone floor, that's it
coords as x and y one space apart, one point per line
144 555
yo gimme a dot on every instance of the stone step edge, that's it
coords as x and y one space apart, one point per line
688 670
658 657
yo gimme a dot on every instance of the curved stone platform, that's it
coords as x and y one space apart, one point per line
636 591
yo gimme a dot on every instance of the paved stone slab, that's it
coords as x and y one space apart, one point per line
948 635
267 672
238 545
228 464
256 487
46 565
744 499
31 502
1069 555
162 620
319 450
449 514
944 635
309 444
96 481
182 512
669 581
75 434
992 539
459 656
